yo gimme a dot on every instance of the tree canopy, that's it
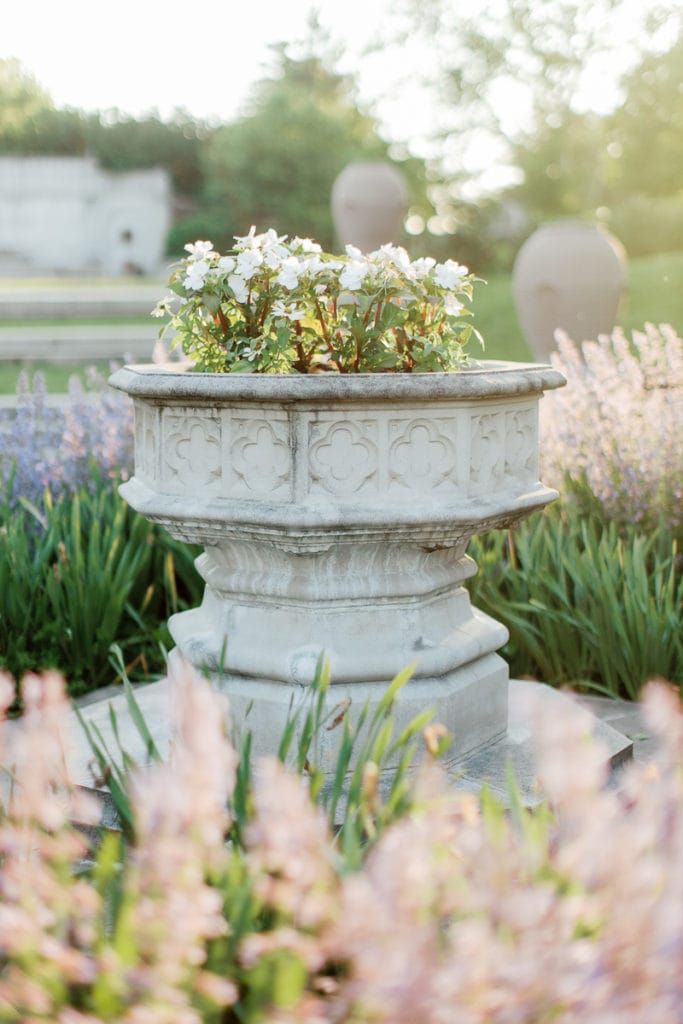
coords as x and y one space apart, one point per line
276 165
536 76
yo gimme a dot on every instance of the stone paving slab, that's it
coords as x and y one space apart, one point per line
627 718
619 726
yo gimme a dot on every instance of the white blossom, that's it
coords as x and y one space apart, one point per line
289 311
421 267
452 306
163 306
290 269
312 265
196 274
226 264
353 274
246 241
239 287
449 274
306 245
248 263
199 250
270 240
395 255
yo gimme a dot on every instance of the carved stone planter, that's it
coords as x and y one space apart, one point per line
335 514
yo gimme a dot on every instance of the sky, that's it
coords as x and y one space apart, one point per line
206 55
137 55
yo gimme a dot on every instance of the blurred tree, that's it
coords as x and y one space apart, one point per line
22 99
645 150
31 125
563 166
534 77
122 143
276 165
646 131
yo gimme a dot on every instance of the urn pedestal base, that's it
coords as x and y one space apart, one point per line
470 701
371 609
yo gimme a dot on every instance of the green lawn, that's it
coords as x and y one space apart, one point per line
56 374
74 321
654 293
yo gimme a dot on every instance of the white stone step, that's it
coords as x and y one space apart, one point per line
48 301
75 343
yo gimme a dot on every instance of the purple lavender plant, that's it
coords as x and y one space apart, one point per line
60 447
618 424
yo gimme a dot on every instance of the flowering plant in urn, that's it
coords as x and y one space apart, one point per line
316 445
273 305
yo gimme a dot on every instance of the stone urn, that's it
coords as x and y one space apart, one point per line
335 513
568 275
369 203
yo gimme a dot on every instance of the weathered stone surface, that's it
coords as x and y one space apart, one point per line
516 751
335 515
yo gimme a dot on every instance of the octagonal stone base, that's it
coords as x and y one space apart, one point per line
471 701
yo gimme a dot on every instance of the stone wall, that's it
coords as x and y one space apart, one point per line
66 215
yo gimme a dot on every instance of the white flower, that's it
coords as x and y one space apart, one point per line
261 243
226 264
448 274
273 256
394 255
306 245
196 273
452 306
290 312
271 240
239 287
248 263
353 274
163 306
312 265
354 252
421 267
246 241
199 250
289 272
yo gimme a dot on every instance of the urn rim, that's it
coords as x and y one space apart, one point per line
486 379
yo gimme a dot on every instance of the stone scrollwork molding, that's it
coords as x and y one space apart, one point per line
191 446
343 456
422 453
260 455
